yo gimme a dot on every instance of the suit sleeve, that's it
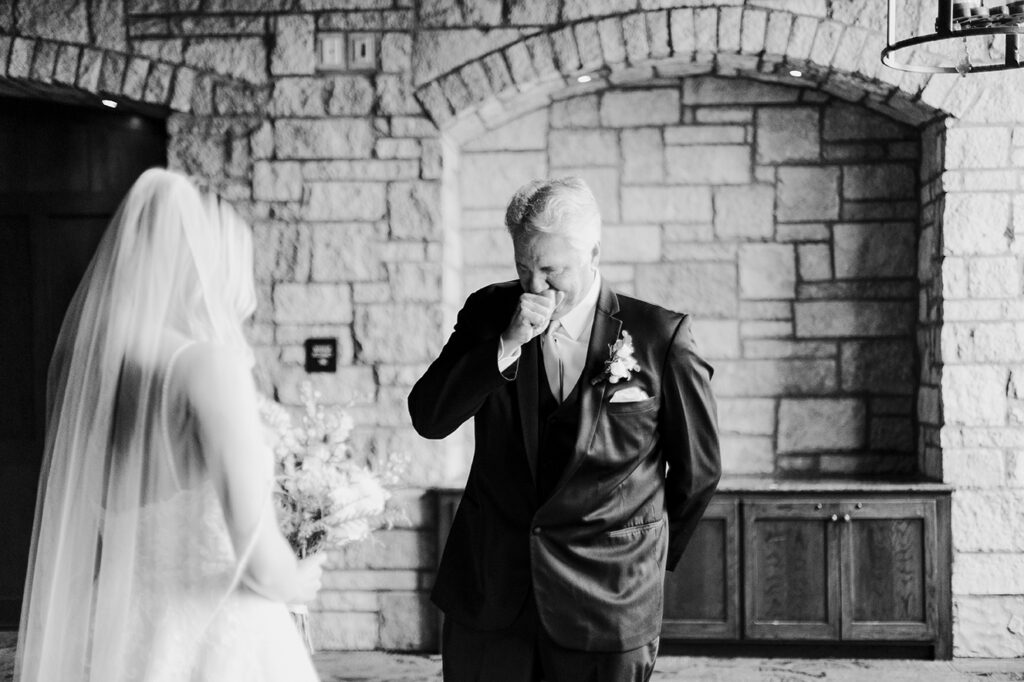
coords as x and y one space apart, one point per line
458 382
690 439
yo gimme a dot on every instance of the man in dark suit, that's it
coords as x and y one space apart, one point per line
596 455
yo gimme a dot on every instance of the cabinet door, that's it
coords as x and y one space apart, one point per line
889 570
702 596
791 576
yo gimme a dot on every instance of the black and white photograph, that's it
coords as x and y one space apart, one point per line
511 340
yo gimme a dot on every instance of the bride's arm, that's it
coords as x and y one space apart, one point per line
221 394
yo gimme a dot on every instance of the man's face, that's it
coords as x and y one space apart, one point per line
551 261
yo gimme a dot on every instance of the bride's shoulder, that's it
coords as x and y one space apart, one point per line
208 370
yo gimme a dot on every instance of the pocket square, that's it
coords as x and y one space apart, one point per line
629 395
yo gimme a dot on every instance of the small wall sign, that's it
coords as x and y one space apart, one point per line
322 355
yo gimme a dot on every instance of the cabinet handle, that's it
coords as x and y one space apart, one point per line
846 518
818 506
835 517
860 505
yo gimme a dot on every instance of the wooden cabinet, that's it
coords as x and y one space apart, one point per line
702 596
850 569
804 565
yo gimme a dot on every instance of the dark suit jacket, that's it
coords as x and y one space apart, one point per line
595 552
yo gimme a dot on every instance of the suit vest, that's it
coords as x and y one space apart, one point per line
559 424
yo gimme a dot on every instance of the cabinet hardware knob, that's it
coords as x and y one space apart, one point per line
835 517
860 505
846 518
818 506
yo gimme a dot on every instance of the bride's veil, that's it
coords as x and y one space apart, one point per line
154 285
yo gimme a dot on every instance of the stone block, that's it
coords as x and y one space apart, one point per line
820 424
438 52
973 468
533 12
243 58
754 330
635 108
588 41
974 395
658 33
347 631
529 132
744 212
771 378
801 38
583 148
576 112
705 27
879 181
323 139
312 303
486 247
988 574
747 455
976 223
277 181
705 289
747 416
358 201
815 262
563 43
865 250
489 180
827 319
877 366
613 45
643 159
978 147
294 45
714 165
62 20
630 244
988 626
397 548
408 621
705 134
354 95
635 32
753 31
717 338
346 252
578 9
787 134
995 277
785 348
735 91
777 33
682 30
767 271
415 209
808 193
655 204
281 252
420 339
415 282
891 434
974 512
689 232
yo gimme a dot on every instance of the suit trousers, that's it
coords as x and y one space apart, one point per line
524 652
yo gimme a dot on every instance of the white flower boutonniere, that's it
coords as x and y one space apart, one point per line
620 363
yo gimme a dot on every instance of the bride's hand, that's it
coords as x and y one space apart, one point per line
308 578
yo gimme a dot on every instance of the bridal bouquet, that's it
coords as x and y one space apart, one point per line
327 493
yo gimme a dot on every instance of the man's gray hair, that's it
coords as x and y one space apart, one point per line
562 206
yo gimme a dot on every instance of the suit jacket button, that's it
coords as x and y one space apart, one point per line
537 530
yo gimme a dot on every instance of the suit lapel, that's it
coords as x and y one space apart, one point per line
592 394
526 394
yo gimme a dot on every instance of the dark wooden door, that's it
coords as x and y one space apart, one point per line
890 585
63 171
702 596
791 569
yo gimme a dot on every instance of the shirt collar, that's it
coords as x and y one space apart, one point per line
581 317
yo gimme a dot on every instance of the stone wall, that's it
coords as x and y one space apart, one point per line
351 182
782 219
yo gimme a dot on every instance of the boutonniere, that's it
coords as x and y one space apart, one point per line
620 363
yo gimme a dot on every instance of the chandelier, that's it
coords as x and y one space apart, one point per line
956 21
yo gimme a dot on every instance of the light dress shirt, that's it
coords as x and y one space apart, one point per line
564 344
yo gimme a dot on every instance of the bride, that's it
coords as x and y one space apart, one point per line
156 553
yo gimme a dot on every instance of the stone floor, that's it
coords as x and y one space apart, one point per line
382 667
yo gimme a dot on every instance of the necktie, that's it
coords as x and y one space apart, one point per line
555 339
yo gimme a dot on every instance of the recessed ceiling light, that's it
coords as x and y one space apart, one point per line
796 74
109 103
584 79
